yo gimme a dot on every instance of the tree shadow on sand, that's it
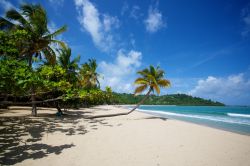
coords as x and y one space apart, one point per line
19 136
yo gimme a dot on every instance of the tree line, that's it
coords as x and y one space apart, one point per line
173 99
37 69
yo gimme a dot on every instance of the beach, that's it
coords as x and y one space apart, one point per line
137 139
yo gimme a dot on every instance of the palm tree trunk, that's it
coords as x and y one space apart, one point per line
59 111
33 98
125 113
5 100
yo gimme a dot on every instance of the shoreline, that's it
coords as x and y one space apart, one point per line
135 139
202 124
225 123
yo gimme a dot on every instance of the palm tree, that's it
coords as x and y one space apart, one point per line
69 65
33 19
89 75
152 79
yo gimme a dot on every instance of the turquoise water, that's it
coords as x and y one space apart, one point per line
231 118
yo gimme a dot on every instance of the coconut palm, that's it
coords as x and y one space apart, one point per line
64 60
89 75
33 19
152 79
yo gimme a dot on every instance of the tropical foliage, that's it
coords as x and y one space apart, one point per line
25 38
89 76
33 19
70 66
12 42
152 78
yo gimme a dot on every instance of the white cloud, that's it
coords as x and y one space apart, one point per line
233 89
245 16
121 73
110 22
154 21
99 26
135 12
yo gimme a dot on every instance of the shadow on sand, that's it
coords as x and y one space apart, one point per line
20 136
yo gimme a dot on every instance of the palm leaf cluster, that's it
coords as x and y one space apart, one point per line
33 19
89 75
152 78
70 66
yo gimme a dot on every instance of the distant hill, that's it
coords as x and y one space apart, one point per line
173 99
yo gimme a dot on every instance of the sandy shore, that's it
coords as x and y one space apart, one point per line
134 140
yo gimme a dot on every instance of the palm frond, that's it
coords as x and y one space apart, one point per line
140 89
152 77
50 55
57 32
156 88
27 9
39 21
163 83
160 73
76 59
140 81
144 72
62 44
152 70
12 14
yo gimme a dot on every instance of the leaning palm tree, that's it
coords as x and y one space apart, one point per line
71 66
33 19
89 75
152 79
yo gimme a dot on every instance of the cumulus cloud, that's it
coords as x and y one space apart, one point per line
245 16
98 25
120 74
233 89
154 21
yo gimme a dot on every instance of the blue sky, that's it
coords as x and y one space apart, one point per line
203 45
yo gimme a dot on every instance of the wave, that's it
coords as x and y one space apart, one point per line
239 115
203 117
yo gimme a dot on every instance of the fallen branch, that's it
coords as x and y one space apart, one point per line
34 102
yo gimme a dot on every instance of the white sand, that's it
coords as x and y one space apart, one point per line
134 140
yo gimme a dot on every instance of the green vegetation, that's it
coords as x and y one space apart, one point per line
31 74
174 99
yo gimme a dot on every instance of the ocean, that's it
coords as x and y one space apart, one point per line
230 118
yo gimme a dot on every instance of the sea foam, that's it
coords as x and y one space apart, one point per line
204 117
239 115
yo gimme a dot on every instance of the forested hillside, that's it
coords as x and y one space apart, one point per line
173 99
